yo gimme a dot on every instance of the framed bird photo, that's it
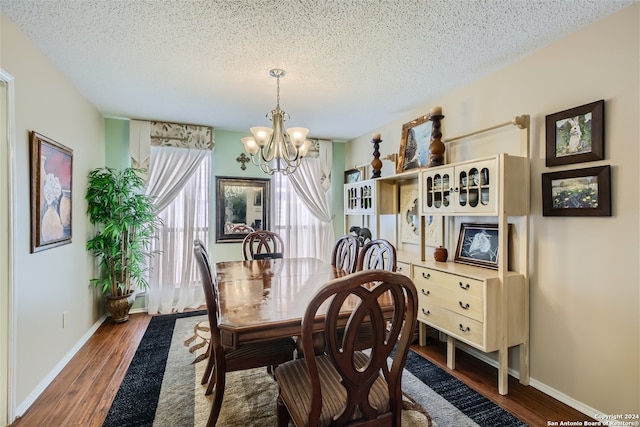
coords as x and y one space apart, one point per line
478 244
575 135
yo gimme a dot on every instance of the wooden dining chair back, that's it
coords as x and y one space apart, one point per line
345 385
379 253
221 359
262 244
345 253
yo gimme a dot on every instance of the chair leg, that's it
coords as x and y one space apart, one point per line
207 372
212 383
218 380
283 414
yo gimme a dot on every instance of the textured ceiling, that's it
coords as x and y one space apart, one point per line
352 65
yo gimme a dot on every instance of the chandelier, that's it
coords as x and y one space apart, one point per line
276 149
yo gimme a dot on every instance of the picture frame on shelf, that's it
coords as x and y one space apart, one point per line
51 175
352 175
478 244
414 144
575 135
577 192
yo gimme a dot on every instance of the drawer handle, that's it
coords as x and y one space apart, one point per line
426 276
398 268
465 286
425 293
426 312
463 306
463 329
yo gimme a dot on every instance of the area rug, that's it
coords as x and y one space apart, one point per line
162 387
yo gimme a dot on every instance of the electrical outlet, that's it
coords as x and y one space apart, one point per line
65 314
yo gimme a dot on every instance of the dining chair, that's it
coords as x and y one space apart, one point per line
379 253
258 243
345 385
222 360
345 253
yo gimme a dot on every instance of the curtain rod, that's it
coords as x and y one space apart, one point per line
521 121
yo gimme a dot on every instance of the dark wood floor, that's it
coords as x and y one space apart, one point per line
82 394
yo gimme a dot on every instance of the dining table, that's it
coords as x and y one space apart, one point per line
260 300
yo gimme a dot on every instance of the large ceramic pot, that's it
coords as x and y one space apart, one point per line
119 306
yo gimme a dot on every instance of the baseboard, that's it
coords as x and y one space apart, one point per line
26 404
538 385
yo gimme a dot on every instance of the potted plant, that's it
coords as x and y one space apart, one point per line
126 223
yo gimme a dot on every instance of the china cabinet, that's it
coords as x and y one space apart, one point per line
474 187
485 309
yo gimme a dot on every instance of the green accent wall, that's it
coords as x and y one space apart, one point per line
116 143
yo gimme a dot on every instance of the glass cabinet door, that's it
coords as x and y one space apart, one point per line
476 187
438 191
467 188
359 197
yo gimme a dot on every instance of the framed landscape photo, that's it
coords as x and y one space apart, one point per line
577 192
575 135
51 170
478 244
414 145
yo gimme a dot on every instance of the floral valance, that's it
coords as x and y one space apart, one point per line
180 135
143 135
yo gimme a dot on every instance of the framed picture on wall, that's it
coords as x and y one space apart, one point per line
51 170
575 135
577 192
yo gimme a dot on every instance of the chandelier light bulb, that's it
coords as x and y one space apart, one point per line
261 134
250 145
297 135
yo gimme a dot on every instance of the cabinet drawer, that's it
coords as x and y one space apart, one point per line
423 275
403 268
453 324
458 301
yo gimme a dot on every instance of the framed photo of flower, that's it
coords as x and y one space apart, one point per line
577 192
51 165
575 135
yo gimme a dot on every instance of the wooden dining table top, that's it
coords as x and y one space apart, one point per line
265 299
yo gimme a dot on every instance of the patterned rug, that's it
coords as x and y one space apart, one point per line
162 387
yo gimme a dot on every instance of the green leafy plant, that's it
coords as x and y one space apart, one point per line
126 224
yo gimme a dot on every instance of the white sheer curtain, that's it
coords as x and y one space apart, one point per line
179 178
302 213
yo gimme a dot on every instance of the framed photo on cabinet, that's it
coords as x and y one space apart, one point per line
575 135
478 244
414 145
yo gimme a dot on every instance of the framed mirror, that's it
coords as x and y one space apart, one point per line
242 206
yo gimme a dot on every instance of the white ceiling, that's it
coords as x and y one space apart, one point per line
352 65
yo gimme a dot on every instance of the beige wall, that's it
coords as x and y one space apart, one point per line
53 281
585 283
